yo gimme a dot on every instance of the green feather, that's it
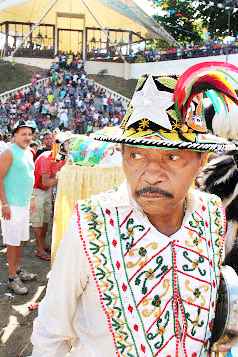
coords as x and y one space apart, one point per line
223 102
214 98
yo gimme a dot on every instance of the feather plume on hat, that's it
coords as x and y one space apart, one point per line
205 77
167 111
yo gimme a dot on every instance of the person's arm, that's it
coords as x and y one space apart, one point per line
32 206
53 329
6 159
47 181
45 172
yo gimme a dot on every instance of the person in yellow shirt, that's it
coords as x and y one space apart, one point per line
50 98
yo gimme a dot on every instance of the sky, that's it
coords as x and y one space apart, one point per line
146 6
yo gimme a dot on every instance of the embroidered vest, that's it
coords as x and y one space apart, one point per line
146 284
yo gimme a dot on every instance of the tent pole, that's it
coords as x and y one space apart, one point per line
33 27
84 41
102 27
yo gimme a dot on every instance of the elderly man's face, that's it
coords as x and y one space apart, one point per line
159 179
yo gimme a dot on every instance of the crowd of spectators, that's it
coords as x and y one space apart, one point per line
109 54
195 51
68 101
157 55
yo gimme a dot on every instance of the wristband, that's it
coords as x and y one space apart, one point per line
6 205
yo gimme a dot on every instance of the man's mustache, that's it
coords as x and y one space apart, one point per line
151 189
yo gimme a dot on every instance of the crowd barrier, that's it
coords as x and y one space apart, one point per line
114 95
24 89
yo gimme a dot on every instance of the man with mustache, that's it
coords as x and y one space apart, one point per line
16 185
138 269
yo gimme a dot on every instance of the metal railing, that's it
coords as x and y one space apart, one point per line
24 89
114 95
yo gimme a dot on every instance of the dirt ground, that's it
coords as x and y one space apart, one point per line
15 316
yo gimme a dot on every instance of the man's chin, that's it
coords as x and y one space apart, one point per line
153 205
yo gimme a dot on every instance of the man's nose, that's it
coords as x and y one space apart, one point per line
154 173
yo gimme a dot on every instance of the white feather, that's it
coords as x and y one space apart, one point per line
224 125
230 236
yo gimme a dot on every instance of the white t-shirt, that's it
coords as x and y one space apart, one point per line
64 118
75 77
95 115
60 104
37 105
105 120
104 101
79 102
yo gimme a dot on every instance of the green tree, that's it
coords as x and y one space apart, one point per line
178 19
214 15
155 44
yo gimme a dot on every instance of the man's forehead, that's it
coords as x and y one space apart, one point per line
156 149
24 130
159 151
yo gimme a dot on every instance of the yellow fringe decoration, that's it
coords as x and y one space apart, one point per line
77 183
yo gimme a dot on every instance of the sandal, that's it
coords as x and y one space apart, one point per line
48 250
43 256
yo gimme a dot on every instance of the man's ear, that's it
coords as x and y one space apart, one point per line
203 160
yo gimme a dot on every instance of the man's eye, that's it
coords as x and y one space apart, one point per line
174 157
136 156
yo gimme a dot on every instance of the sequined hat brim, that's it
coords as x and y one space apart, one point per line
202 143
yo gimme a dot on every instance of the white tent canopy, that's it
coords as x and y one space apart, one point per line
76 15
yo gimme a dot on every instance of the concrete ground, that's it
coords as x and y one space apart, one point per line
15 316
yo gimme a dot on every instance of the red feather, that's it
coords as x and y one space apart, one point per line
216 82
213 83
190 84
191 73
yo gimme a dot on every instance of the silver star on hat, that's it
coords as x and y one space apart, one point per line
150 103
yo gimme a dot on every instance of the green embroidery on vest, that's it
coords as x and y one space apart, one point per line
93 223
156 302
161 328
197 224
130 232
194 265
195 323
150 274
142 252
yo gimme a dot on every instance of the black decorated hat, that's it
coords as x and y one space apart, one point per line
167 111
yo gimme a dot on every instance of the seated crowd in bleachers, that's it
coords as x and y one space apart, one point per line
68 101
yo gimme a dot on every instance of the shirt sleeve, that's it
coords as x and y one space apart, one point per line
53 329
